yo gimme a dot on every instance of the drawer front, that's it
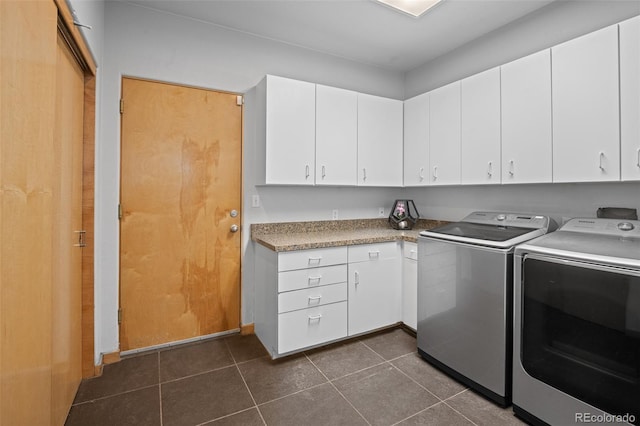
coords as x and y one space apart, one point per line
312 277
372 252
410 250
301 259
313 326
312 297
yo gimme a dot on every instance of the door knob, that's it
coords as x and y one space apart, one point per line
234 228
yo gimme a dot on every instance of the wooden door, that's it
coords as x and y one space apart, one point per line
180 182
66 297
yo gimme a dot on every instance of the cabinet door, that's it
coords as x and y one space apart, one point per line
630 98
586 127
374 295
444 131
336 136
410 285
379 141
480 134
526 119
416 141
290 131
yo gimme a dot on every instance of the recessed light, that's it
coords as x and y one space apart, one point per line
412 7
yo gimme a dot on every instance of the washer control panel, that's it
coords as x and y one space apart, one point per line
622 228
509 219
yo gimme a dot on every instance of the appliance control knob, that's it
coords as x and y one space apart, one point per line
625 226
501 217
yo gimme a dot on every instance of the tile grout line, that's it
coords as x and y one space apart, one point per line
412 379
89 401
448 405
337 390
419 412
235 363
160 391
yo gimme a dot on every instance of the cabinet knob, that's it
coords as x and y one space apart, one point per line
234 228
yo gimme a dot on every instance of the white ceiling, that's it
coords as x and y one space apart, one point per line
360 30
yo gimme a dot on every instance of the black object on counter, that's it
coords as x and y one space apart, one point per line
403 214
617 213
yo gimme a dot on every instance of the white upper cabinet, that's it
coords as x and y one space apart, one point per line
336 136
416 141
630 98
444 135
290 130
526 119
586 126
480 135
379 141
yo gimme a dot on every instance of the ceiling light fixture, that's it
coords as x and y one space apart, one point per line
412 7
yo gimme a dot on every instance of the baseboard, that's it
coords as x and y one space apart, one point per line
110 358
247 329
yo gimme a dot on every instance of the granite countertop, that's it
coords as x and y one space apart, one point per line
289 236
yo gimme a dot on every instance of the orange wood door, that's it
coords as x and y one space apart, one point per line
27 90
180 181
66 297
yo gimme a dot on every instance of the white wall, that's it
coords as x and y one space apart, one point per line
558 22
559 200
141 42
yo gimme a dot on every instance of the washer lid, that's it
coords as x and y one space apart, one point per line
480 231
493 229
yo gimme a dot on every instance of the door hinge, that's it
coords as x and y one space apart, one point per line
119 315
239 100
121 106
119 211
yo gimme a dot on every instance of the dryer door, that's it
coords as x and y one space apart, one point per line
581 331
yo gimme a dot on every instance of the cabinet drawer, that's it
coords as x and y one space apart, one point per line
313 326
371 252
312 297
301 259
312 277
410 250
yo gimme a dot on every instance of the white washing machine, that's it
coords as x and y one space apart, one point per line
465 297
576 346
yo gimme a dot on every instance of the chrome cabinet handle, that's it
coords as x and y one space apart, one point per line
638 157
315 317
356 280
490 170
314 299
375 254
421 174
316 279
511 168
306 172
601 158
323 172
314 260
435 172
364 174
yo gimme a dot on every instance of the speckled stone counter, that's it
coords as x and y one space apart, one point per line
289 236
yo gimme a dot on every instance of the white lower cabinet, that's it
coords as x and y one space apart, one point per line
375 280
301 298
410 285
299 304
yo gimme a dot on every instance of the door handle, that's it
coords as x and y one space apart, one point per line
81 235
234 228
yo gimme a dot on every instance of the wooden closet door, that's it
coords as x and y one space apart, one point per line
180 181
67 218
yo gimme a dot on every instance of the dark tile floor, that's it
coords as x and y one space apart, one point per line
373 380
